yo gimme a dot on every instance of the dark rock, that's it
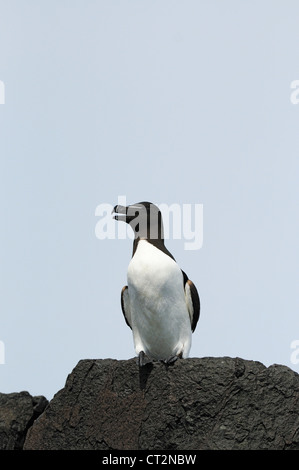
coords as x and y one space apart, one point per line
209 403
18 411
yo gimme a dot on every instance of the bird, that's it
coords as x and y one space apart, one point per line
160 303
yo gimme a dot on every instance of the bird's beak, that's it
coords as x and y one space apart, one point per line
127 214
120 213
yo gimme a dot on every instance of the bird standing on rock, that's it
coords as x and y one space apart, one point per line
160 304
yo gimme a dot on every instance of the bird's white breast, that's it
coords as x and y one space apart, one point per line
160 320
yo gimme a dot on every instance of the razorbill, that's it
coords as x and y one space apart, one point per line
160 304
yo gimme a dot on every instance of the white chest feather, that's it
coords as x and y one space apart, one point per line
160 320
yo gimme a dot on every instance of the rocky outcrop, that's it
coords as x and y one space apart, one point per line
18 411
208 403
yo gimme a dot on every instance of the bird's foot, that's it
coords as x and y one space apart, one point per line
142 359
170 359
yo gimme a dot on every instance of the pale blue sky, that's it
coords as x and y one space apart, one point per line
183 102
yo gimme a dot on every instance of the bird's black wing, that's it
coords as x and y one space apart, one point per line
192 301
125 305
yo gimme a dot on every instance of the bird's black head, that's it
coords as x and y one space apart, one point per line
145 219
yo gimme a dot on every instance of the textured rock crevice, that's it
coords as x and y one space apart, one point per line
208 403
18 411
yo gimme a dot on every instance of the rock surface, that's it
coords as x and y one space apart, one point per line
208 403
17 413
